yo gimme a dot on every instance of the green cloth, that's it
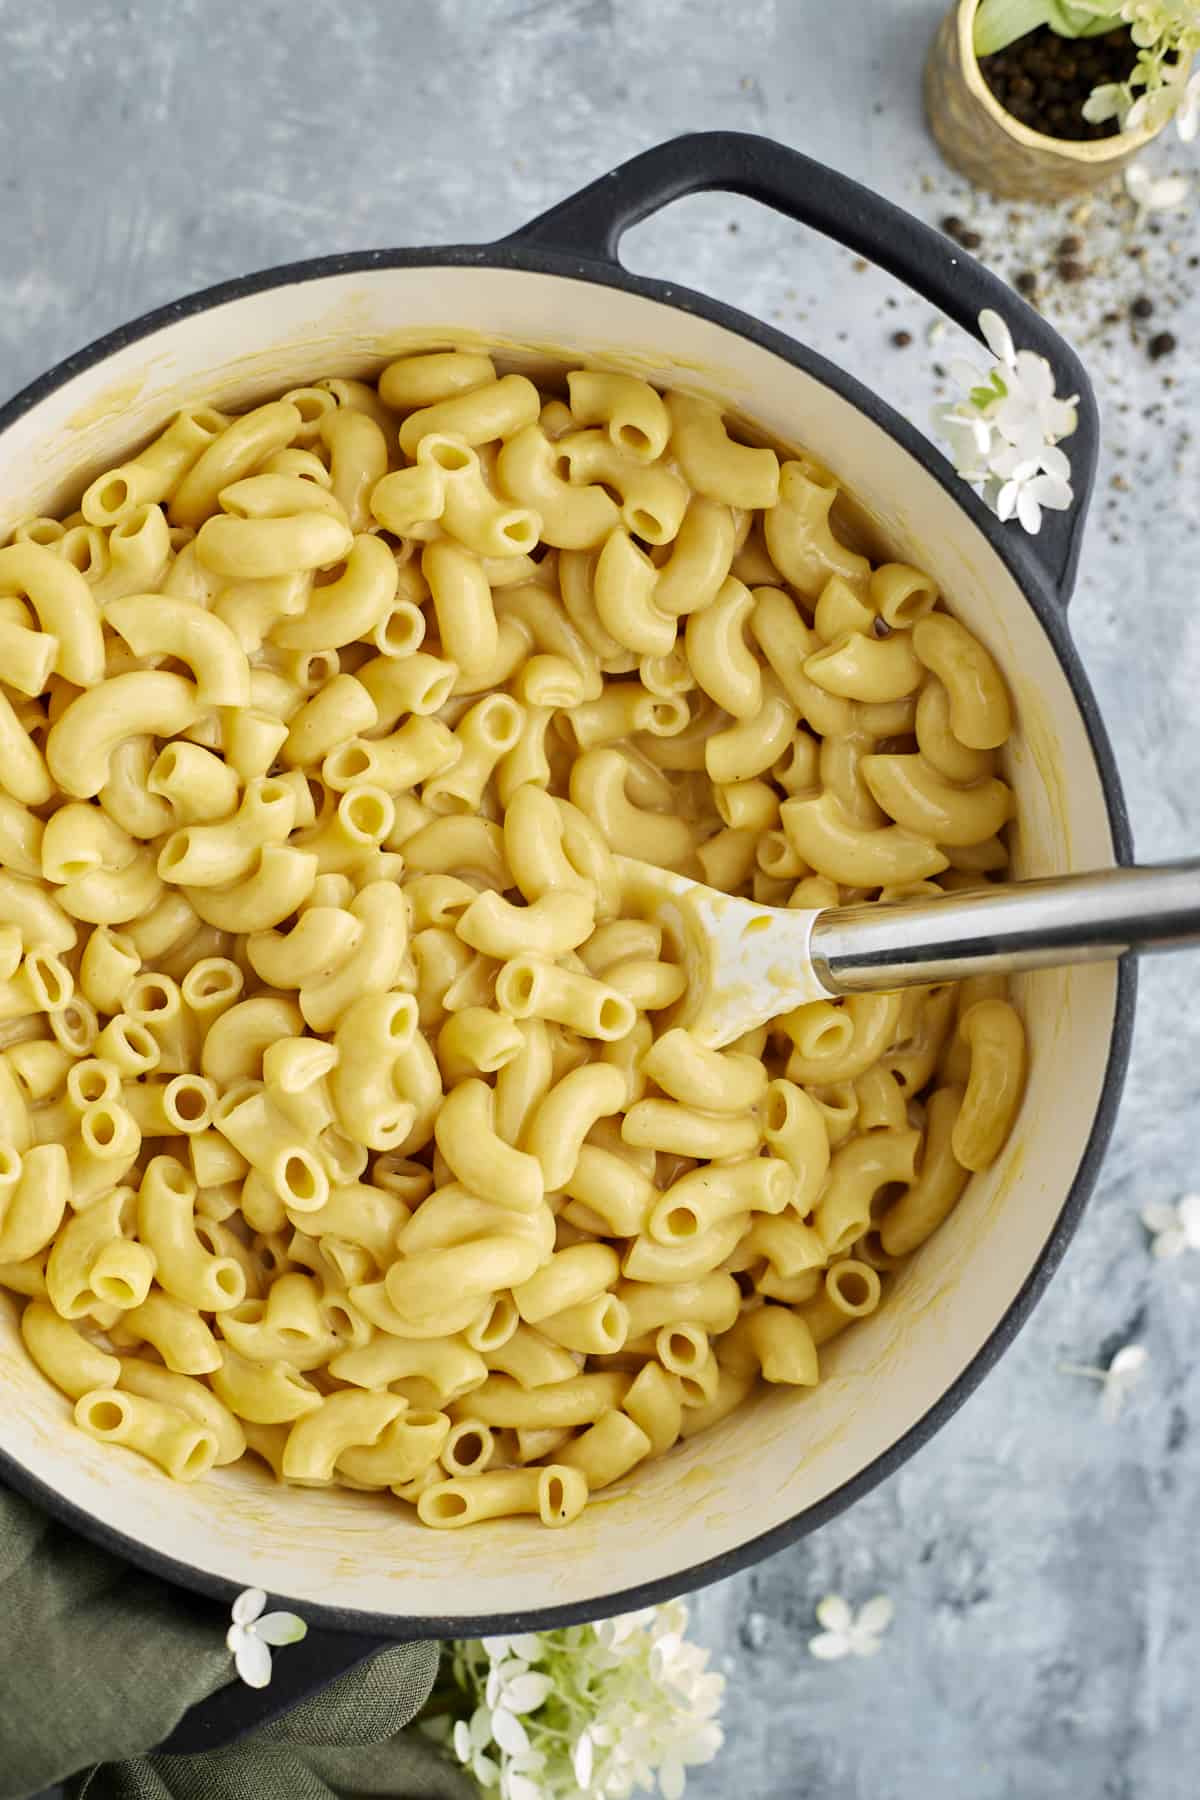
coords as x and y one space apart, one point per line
99 1662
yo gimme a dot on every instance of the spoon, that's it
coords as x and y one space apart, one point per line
748 963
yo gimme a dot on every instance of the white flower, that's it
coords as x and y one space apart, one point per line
471 1740
847 1633
1162 193
1122 1375
1004 434
1173 1228
969 436
251 1633
597 1711
1104 102
1028 486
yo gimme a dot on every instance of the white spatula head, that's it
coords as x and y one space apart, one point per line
745 963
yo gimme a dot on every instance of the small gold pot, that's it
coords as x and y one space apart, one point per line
994 150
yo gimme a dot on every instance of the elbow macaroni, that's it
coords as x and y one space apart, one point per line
343 1114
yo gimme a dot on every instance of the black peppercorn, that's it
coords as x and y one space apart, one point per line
1161 344
1142 307
902 339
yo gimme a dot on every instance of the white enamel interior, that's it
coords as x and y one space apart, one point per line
787 1452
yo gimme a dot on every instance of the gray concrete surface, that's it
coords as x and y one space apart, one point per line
1047 1635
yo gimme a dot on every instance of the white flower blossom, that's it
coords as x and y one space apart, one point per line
1124 1373
1151 193
1004 434
252 1632
1166 34
588 1713
847 1633
1174 1228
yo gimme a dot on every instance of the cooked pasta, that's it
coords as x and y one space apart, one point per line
344 1117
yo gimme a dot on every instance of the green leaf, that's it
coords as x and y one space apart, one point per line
999 23
1083 18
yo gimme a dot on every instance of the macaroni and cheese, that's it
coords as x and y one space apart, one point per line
344 1118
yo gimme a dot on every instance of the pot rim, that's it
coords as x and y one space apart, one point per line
1048 607
1095 151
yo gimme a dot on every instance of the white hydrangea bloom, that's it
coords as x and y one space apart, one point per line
589 1713
1004 434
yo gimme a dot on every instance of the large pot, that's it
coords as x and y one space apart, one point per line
784 1465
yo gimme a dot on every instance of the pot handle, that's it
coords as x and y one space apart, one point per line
590 224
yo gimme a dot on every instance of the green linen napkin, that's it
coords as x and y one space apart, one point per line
99 1662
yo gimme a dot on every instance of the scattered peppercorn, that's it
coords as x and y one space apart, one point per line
1026 282
952 225
902 339
1142 307
1070 270
970 240
1070 246
1161 344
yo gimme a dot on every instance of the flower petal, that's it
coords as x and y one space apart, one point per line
672 1780
463 1748
864 1644
248 1605
876 1614
481 1728
1056 462
1160 1215
1102 103
496 1647
252 1660
583 1759
527 1692
1028 511
527 1644
1189 1218
281 1628
1129 1362
996 335
509 1732
829 1646
834 1613
519 1787
1006 500
1169 1244
1049 491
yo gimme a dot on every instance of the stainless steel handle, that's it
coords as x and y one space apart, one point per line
1033 925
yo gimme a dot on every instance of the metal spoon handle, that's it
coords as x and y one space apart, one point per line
1031 925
